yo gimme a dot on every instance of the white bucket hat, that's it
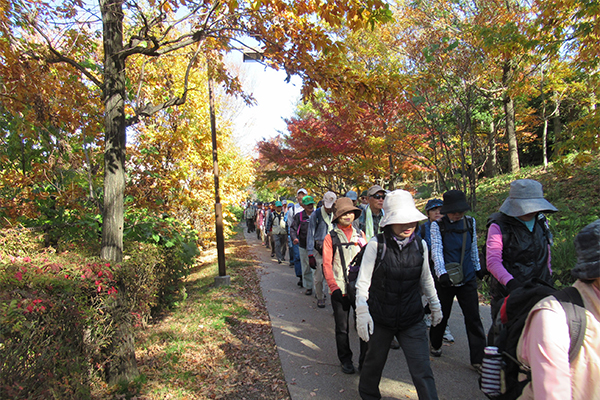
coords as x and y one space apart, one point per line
526 196
399 208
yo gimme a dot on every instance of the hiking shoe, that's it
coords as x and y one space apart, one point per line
477 367
348 368
308 292
435 352
448 336
394 345
321 303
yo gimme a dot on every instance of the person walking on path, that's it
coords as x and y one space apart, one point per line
319 224
294 209
388 298
432 209
545 340
278 228
250 215
518 241
351 241
454 244
369 219
299 233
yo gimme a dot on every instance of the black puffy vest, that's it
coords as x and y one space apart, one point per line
524 253
394 295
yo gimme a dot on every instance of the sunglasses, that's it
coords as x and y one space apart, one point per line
379 196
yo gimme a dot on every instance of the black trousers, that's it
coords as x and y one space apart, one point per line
342 340
469 304
415 346
250 224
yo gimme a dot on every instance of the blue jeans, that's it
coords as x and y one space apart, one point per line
295 251
415 346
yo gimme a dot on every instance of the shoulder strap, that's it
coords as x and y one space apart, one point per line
572 302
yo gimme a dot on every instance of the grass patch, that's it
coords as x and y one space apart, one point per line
218 344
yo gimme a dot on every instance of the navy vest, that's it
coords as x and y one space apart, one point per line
452 239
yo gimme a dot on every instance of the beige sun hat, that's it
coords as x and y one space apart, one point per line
399 208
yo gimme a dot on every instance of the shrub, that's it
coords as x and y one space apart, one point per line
59 309
53 324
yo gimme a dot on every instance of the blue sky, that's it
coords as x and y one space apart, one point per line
275 100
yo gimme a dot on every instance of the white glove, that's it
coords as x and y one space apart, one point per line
364 322
436 315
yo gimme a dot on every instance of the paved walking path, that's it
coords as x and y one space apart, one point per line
305 339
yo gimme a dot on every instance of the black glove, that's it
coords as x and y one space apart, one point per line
513 284
481 273
345 303
337 296
445 280
312 262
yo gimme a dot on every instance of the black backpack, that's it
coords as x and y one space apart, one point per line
515 309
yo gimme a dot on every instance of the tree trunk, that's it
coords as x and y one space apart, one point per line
491 164
122 366
114 126
556 123
509 111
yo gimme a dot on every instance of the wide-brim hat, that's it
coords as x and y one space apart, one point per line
342 206
399 208
455 201
526 196
328 199
587 246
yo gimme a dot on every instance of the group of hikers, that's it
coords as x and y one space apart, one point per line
374 255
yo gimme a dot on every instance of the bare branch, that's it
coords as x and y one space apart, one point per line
60 58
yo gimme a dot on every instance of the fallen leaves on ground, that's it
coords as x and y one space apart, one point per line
194 353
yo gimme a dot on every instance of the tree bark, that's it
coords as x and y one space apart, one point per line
114 123
509 111
491 164
122 366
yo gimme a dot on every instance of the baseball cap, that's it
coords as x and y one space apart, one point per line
351 194
433 203
278 204
328 199
302 190
306 200
374 189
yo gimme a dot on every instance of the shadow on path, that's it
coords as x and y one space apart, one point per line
305 339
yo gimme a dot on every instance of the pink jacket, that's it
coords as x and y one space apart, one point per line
544 345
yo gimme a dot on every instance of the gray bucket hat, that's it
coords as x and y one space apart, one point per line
526 196
587 246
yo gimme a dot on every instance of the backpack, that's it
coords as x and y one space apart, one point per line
510 323
354 266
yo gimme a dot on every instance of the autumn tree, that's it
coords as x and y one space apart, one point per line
290 34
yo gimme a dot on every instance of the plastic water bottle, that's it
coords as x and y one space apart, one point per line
491 371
